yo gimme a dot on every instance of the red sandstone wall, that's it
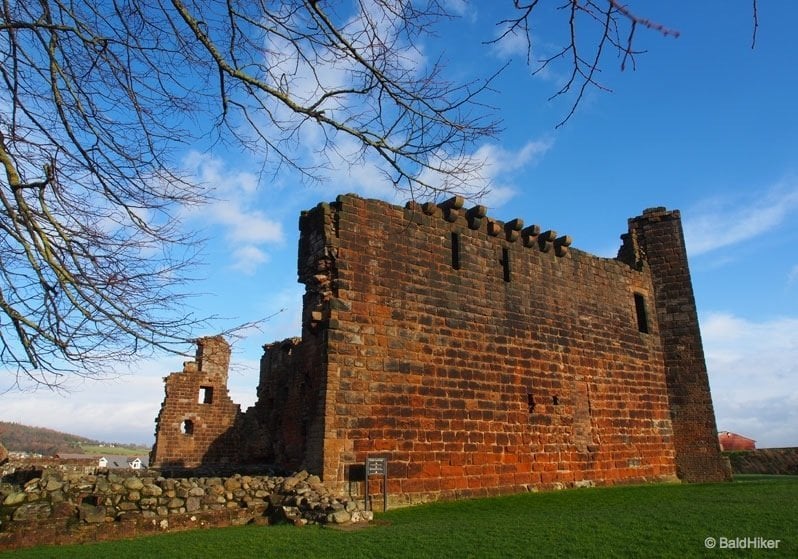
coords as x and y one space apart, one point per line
478 357
291 404
212 438
658 234
293 378
520 367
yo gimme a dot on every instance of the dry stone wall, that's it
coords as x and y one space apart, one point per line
771 461
63 506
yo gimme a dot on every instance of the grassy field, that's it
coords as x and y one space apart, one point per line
115 450
635 521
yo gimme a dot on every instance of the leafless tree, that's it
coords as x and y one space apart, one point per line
99 96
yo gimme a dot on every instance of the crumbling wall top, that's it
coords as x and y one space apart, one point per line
212 357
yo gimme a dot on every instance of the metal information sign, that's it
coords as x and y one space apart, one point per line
378 467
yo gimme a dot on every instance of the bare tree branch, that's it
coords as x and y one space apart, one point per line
97 99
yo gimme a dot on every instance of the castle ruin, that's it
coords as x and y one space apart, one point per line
477 356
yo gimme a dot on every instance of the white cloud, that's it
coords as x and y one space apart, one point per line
723 222
248 258
244 225
753 370
461 8
122 409
245 228
119 410
494 167
500 164
514 43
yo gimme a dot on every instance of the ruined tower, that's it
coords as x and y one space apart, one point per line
197 412
658 242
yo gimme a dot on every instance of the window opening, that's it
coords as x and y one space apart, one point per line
187 427
205 395
456 251
642 315
506 264
555 400
530 402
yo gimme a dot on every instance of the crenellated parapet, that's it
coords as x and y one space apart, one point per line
475 218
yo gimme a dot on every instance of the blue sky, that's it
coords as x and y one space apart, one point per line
704 124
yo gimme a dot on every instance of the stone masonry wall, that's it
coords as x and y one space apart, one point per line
60 506
483 357
658 234
194 426
293 378
477 356
771 461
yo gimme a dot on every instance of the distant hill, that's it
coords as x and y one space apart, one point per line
47 442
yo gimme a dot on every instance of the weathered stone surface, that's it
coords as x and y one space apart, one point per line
3 454
282 515
133 483
125 513
313 480
339 517
193 504
477 356
290 483
32 511
773 461
151 491
92 514
53 485
64 509
358 516
15 498
175 503
232 484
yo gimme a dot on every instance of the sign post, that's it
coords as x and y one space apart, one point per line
375 467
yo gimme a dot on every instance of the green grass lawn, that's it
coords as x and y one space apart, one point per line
635 521
114 450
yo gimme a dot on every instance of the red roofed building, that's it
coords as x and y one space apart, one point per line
733 441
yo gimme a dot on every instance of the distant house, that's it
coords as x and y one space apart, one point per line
733 441
112 462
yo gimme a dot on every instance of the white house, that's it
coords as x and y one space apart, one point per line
123 462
